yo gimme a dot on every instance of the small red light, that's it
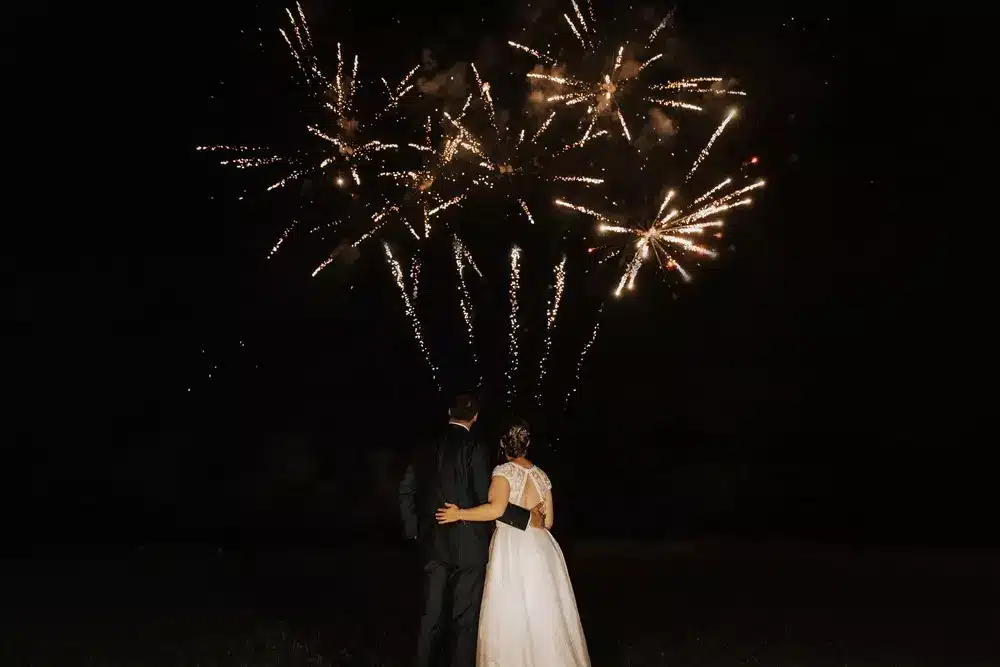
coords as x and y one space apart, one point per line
754 160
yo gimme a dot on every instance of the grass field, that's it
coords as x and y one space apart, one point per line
684 605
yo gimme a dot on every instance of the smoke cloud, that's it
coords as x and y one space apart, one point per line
448 83
658 129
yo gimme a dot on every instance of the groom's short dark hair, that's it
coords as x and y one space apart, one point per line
464 407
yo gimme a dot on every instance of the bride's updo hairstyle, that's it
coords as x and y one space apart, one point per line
514 443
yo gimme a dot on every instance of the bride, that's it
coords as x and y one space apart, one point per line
529 616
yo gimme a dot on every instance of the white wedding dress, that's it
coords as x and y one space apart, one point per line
529 616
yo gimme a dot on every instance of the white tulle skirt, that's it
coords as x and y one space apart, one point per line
529 616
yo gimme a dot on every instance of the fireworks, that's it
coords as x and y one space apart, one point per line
667 234
342 146
466 303
596 83
515 286
708 146
550 324
281 239
610 80
411 313
583 354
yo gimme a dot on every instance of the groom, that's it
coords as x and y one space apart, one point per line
456 468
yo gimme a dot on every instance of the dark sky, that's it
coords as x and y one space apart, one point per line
834 348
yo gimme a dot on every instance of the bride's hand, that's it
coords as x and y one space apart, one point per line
447 514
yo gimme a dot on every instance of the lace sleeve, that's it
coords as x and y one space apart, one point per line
546 482
504 470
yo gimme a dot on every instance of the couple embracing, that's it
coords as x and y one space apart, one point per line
492 597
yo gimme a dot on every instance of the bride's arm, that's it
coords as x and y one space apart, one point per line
514 516
550 510
499 496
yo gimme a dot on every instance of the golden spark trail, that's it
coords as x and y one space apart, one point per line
515 285
708 147
545 125
379 220
663 206
583 355
581 209
658 28
397 273
415 275
524 207
628 137
305 24
579 179
579 15
281 239
464 301
541 56
553 311
675 104
575 32
471 262
713 191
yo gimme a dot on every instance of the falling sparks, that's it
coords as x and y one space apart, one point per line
545 125
484 91
524 207
515 286
713 191
583 354
581 209
464 300
281 239
579 179
471 262
708 147
658 28
447 204
550 324
475 154
675 104
540 56
415 276
378 221
628 137
411 313
327 225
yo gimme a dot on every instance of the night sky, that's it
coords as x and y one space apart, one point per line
823 379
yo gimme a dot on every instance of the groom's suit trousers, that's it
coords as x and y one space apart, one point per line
449 626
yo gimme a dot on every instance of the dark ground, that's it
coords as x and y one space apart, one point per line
680 604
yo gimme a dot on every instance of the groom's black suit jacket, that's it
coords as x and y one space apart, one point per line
454 469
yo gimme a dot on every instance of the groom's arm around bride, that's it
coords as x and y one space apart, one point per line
480 472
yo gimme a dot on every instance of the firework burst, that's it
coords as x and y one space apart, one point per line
611 80
500 162
675 227
595 84
340 148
